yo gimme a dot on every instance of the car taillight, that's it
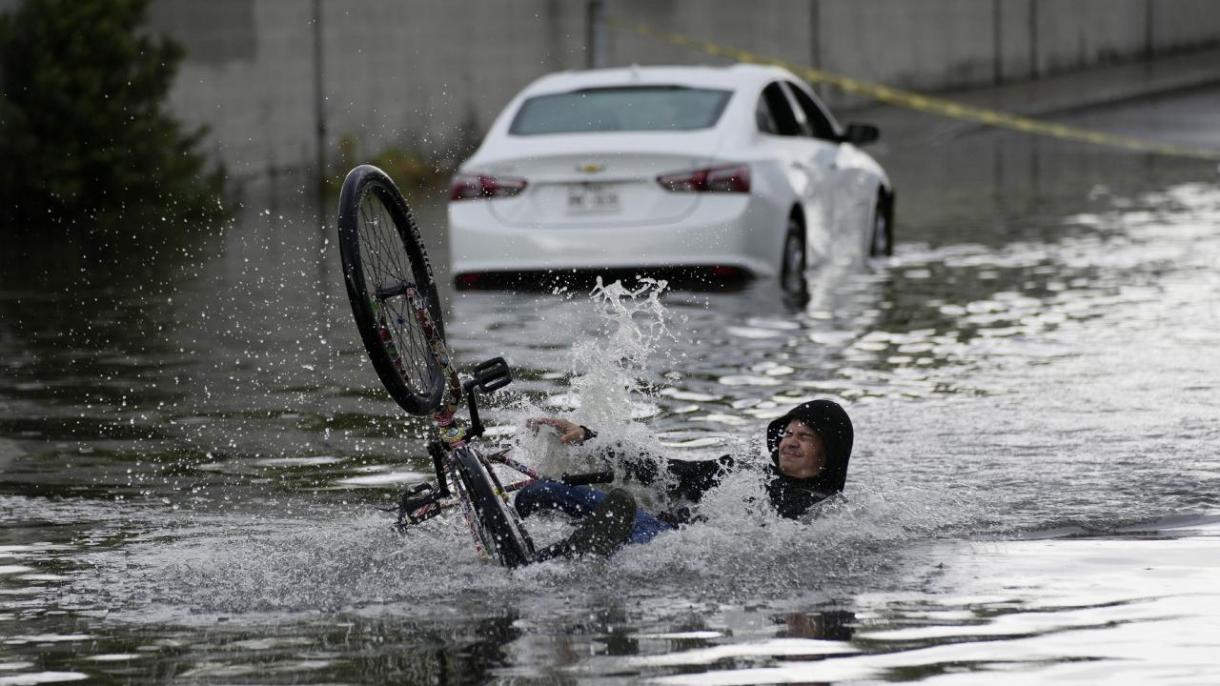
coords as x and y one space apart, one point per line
731 179
473 186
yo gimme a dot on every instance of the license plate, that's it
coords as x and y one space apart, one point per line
591 198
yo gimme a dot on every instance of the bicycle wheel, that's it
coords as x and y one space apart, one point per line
500 527
390 286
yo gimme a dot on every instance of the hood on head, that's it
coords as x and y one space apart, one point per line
833 426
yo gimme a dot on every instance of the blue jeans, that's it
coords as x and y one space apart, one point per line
578 501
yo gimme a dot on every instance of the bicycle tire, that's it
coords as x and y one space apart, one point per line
383 260
500 527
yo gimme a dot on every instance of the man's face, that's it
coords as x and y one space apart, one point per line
801 453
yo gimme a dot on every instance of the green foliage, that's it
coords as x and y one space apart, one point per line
84 129
407 168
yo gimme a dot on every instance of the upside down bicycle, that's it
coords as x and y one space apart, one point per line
397 311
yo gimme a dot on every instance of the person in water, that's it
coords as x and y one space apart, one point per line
809 446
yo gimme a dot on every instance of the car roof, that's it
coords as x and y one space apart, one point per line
733 76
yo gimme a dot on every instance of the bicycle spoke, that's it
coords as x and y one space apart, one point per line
388 266
392 292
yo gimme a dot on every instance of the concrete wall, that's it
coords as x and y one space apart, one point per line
428 76
1013 36
1075 33
424 76
925 46
1181 24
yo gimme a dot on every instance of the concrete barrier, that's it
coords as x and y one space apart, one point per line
280 81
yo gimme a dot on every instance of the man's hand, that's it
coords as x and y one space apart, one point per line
570 433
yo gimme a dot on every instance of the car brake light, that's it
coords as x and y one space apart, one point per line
473 186
731 179
727 272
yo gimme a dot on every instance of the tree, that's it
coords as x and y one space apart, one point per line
85 133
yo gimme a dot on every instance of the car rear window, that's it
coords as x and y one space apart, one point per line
631 108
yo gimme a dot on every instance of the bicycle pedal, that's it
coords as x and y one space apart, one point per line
492 374
414 512
408 504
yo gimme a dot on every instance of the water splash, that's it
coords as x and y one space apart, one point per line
609 371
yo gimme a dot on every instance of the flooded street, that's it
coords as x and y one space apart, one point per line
193 447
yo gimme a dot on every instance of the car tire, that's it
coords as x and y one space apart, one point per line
792 262
881 241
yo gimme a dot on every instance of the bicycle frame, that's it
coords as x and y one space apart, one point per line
451 439
449 435
393 296
416 510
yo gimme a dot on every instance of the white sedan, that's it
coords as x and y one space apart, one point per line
712 172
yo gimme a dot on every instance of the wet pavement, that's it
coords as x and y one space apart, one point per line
192 446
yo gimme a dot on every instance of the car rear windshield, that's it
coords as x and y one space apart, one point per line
631 108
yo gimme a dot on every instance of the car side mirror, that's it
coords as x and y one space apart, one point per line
861 134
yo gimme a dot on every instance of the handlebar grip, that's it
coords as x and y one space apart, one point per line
587 478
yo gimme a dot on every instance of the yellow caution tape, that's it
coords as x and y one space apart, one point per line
925 103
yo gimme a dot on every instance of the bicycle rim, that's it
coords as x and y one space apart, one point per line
499 524
391 289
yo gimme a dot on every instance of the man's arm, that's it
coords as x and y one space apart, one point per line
570 433
692 478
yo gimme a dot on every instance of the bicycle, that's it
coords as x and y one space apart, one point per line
397 311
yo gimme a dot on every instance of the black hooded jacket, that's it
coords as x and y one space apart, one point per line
789 497
793 497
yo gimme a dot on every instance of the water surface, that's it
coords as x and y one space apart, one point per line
192 446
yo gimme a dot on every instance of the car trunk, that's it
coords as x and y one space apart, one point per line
611 185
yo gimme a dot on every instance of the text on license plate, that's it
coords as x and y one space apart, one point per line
592 197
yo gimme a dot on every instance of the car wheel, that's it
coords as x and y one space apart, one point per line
792 266
882 241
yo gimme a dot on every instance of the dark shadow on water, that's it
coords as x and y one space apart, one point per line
717 279
831 625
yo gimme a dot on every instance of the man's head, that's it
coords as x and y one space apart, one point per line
813 442
801 454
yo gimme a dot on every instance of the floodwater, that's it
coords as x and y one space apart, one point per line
193 447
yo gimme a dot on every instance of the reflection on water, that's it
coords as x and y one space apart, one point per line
191 442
